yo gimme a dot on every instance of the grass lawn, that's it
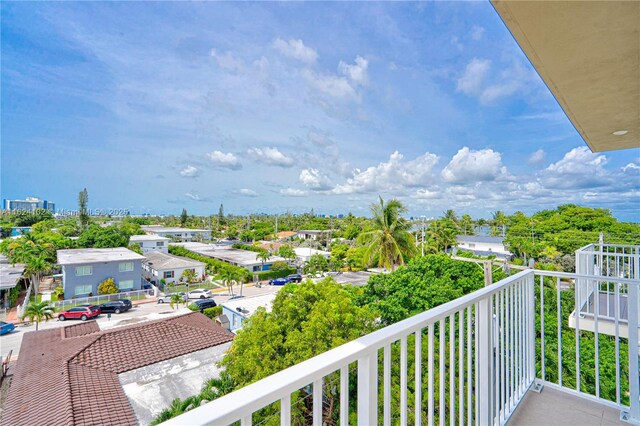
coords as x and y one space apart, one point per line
54 298
183 287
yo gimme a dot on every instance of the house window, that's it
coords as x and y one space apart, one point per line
472 245
168 274
160 244
83 289
125 267
83 270
125 285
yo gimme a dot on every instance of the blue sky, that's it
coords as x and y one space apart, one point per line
269 107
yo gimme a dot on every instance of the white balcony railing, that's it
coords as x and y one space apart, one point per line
473 359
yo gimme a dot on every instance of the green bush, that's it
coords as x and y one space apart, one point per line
214 265
241 246
194 307
213 312
107 286
14 293
278 273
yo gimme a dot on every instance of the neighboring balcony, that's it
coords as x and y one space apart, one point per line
489 357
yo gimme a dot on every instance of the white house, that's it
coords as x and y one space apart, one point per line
303 254
238 310
162 266
237 257
151 243
313 234
179 234
483 245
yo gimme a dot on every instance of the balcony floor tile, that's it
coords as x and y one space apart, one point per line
552 407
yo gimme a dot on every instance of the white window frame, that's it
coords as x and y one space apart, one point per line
88 287
81 271
125 267
121 282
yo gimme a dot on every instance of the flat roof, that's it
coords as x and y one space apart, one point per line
231 255
479 239
161 261
313 231
307 251
246 306
148 237
96 255
9 274
170 229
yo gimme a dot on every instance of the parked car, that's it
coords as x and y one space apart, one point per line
295 278
167 297
200 293
203 304
115 306
6 327
80 312
126 302
279 281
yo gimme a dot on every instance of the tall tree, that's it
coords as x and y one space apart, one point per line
183 217
391 240
83 211
451 215
38 312
466 225
221 215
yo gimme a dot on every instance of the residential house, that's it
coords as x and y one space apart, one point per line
84 269
123 376
160 266
178 234
10 276
303 254
236 311
483 245
286 235
151 243
313 234
244 258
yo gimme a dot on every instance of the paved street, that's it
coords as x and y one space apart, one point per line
139 313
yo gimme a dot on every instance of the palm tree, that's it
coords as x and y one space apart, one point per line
263 256
189 275
38 312
37 266
443 233
228 276
391 240
176 299
451 215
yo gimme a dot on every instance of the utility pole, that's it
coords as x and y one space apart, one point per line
488 273
276 225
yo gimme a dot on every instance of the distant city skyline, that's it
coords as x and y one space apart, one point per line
269 107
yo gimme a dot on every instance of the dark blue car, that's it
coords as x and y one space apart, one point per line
279 281
6 327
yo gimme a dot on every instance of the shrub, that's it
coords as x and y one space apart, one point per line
194 307
107 286
59 292
279 273
213 312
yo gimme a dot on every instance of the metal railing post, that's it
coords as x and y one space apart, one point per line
634 385
485 359
368 389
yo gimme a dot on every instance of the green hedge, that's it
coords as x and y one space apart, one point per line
279 273
241 246
213 312
216 265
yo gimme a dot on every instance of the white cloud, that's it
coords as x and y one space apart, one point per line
224 160
293 192
391 175
332 85
295 49
473 166
474 76
477 32
537 157
357 73
227 61
194 197
314 179
270 156
246 192
631 167
189 171
579 168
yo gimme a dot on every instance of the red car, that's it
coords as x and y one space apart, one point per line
80 312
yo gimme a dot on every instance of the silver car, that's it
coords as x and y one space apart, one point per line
167 297
200 293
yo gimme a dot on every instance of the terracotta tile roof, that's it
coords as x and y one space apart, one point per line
70 376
